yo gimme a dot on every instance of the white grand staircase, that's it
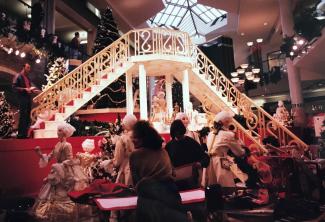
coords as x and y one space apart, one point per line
161 48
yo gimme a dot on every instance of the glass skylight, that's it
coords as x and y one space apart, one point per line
189 16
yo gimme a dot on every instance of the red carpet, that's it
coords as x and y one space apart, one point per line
19 171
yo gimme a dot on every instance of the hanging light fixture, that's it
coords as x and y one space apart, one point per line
259 40
241 71
234 74
256 70
249 44
247 74
256 79
235 80
244 66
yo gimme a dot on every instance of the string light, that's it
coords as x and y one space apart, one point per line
17 52
38 61
22 55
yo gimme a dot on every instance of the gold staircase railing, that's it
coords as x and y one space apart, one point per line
157 43
259 123
135 43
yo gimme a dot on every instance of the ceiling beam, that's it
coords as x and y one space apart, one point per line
88 21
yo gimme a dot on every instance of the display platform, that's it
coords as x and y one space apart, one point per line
19 170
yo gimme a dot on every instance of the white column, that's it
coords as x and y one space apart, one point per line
186 91
169 94
287 24
143 93
129 93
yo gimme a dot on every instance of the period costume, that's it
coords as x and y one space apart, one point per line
123 149
53 203
222 169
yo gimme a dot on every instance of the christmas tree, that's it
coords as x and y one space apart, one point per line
6 117
107 31
56 72
114 95
177 92
322 142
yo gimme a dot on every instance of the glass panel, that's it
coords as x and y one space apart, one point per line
182 12
163 19
197 10
169 9
205 18
158 16
176 21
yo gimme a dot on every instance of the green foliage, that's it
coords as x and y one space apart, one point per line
107 31
56 72
91 128
177 92
306 24
6 117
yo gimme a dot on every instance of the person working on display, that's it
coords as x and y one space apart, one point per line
24 89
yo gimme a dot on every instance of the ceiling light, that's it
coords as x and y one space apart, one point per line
294 47
234 74
247 74
244 66
250 44
256 70
256 79
241 71
320 17
265 23
242 34
235 80
259 40
17 52
291 53
38 61
22 55
303 51
301 42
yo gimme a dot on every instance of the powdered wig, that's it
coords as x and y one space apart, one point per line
181 115
129 120
223 116
66 128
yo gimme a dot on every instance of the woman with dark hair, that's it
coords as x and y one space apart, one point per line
183 150
151 169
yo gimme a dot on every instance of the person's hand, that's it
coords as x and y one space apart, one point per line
28 90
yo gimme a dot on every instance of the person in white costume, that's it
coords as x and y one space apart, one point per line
222 170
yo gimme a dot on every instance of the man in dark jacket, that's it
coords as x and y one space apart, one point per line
22 85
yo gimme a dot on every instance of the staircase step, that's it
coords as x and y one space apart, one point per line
44 133
59 116
51 125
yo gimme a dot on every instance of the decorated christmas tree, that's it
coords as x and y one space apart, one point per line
114 95
56 72
107 31
177 94
6 117
322 142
